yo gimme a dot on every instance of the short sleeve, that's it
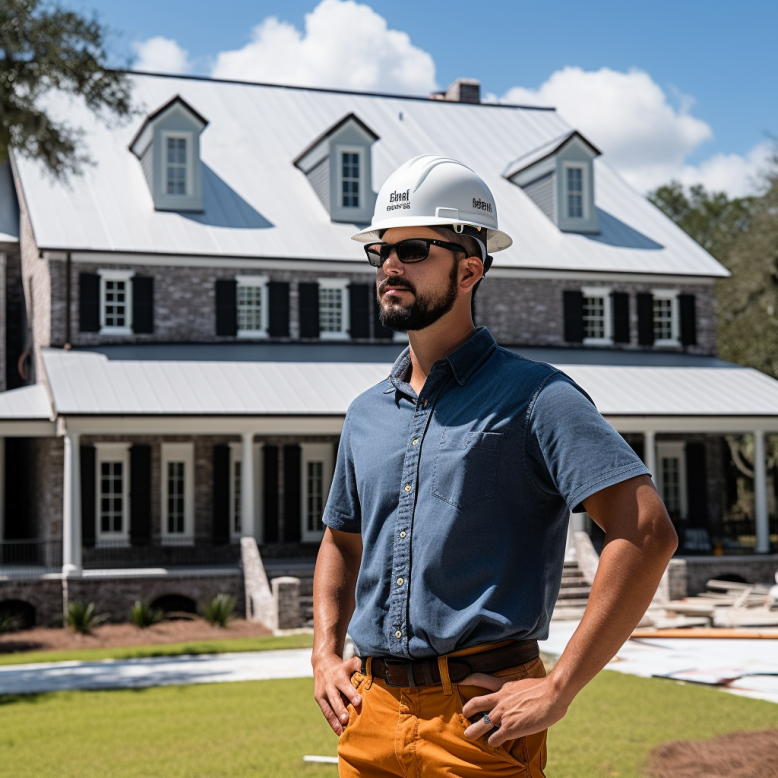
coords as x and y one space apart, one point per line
342 511
571 449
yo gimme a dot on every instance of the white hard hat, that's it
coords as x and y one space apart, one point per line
431 191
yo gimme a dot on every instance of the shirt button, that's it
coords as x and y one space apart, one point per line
408 487
415 441
425 404
400 581
398 634
402 534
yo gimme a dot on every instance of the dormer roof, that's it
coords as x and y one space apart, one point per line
142 137
546 150
351 117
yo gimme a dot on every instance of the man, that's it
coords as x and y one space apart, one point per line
447 516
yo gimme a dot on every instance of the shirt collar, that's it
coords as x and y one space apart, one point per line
463 362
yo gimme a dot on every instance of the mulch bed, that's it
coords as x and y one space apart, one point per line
120 635
736 755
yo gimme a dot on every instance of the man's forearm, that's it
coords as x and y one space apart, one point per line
334 584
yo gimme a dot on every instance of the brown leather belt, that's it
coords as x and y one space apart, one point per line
426 672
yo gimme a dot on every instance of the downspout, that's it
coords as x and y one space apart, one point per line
67 301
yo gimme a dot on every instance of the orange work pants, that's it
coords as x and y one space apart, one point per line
418 732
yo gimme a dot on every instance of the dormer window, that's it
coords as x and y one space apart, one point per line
168 147
559 178
338 168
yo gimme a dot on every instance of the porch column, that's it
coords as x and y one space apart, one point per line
760 495
71 507
2 489
649 452
247 485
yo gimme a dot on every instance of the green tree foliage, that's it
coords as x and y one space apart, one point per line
44 47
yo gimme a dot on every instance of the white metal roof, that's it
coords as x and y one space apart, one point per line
29 402
9 211
258 204
89 383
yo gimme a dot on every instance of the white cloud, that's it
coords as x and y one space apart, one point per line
345 45
161 55
730 173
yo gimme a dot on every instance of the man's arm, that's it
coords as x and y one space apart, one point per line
334 584
639 542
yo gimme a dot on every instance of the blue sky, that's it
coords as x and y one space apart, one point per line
707 93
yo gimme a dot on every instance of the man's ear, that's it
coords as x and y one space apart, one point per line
471 270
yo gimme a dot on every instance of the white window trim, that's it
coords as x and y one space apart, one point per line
605 292
670 449
116 275
178 452
343 285
261 281
189 138
314 452
113 452
668 294
584 168
339 152
236 455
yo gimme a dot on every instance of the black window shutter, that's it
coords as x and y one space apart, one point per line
88 488
142 304
278 309
270 496
573 309
227 307
645 319
221 494
292 493
89 302
140 495
379 331
620 317
639 448
697 484
309 310
359 310
688 319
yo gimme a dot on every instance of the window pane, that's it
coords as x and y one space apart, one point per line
671 484
236 526
115 303
249 307
111 496
574 193
594 317
330 309
176 166
350 176
663 318
175 497
315 494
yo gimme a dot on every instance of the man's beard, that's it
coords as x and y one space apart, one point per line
424 311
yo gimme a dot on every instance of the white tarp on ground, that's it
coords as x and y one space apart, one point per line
89 383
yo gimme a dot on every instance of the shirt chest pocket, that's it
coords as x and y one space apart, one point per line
466 463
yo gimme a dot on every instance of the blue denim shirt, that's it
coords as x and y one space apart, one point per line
462 496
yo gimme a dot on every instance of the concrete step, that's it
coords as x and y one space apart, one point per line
581 590
572 575
571 603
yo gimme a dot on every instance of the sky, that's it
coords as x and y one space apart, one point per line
682 90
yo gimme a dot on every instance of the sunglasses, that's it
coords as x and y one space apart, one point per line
408 251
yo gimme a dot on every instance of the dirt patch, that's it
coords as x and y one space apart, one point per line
119 635
736 755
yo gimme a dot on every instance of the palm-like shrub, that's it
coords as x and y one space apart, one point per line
10 622
142 615
219 610
82 617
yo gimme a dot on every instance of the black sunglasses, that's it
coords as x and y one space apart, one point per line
408 251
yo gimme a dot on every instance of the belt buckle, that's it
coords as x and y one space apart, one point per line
388 663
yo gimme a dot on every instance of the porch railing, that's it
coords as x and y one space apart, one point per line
30 558
159 552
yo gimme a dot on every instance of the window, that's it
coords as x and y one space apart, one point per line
575 192
316 475
333 308
176 164
252 306
177 462
666 318
116 302
671 463
236 477
350 179
112 506
597 316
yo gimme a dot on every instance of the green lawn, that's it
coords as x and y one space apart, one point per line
264 728
303 640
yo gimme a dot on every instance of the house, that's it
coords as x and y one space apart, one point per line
188 321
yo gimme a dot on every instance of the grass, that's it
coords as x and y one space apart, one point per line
303 640
264 728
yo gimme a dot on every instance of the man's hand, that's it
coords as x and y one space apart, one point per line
515 708
332 685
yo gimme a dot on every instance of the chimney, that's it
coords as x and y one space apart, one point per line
463 90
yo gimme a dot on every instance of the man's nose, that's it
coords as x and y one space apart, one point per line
393 266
